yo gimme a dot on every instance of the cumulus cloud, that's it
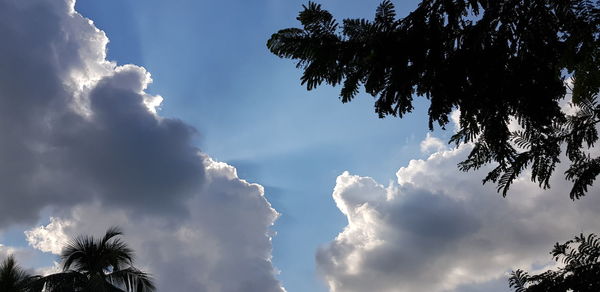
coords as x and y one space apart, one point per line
432 144
77 127
223 246
82 140
49 238
438 229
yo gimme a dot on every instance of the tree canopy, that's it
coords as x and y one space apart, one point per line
498 62
581 271
97 265
13 278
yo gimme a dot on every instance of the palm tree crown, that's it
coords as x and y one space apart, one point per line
12 277
98 265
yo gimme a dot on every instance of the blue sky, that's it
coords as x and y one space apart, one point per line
209 60
364 204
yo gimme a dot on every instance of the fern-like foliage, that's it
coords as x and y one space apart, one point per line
497 61
519 280
581 271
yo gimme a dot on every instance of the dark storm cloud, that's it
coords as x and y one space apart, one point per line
80 138
125 154
53 68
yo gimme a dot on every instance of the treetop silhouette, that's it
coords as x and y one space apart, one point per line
581 271
496 61
13 278
97 265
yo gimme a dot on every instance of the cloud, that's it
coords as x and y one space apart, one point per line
82 141
224 245
23 256
49 238
77 127
8 250
432 144
438 229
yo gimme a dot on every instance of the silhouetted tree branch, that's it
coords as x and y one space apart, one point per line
581 271
496 61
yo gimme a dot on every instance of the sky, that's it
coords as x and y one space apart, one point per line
172 120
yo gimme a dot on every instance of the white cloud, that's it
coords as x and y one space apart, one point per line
49 238
432 144
76 127
6 251
438 229
455 118
224 244
82 139
21 255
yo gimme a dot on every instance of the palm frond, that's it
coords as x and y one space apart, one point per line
132 279
13 277
103 264
385 14
68 281
111 233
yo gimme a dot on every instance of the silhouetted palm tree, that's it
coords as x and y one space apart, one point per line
13 278
97 265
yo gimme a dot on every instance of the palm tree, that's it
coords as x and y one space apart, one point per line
13 278
97 265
